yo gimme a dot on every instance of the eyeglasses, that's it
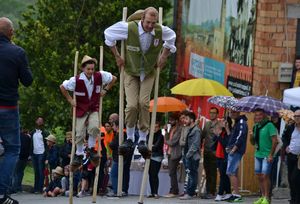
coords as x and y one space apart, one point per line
213 113
296 116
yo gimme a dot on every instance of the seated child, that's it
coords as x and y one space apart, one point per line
65 181
54 189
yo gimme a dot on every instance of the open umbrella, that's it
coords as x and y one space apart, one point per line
168 104
266 103
223 101
200 87
286 115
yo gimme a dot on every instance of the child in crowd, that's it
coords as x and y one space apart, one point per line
87 176
54 189
52 157
65 181
65 150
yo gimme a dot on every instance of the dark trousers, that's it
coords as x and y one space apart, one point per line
186 174
18 175
101 180
224 179
173 164
192 166
210 168
38 162
153 176
126 173
273 174
293 177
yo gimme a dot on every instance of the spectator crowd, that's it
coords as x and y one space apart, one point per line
220 145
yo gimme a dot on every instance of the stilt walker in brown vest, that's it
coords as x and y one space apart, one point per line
88 86
147 46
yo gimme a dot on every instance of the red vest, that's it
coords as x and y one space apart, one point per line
84 104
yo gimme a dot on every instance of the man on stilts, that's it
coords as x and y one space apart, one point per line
88 86
144 41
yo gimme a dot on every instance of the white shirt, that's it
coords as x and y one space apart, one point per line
119 31
38 142
70 84
294 146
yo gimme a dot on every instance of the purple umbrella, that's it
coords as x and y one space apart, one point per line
266 103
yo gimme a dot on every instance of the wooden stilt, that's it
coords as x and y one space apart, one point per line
99 135
121 114
153 120
73 134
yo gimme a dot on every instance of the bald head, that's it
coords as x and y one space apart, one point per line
6 27
150 11
113 117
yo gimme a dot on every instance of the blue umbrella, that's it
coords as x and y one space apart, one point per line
266 103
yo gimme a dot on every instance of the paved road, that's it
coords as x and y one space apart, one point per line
26 198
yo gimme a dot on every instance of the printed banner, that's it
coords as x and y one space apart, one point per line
214 70
239 80
196 68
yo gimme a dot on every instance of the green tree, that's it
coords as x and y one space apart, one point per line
13 9
51 32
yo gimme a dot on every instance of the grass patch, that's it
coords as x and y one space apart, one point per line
28 178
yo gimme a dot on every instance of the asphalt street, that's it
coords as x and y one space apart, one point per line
26 198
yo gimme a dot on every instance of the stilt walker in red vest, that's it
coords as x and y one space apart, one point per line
147 46
88 86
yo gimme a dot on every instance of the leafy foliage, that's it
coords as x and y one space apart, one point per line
59 133
12 9
51 32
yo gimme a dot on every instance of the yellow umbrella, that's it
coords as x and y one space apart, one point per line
201 87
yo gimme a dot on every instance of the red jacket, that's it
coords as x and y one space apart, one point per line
84 104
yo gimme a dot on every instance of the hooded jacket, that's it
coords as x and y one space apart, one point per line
238 135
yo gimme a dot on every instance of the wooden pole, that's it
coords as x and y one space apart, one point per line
153 120
73 134
99 135
121 113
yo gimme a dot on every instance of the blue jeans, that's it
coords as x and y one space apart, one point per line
262 166
18 175
233 163
38 162
114 176
192 166
10 134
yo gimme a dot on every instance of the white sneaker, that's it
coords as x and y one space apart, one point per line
81 194
226 197
218 198
186 197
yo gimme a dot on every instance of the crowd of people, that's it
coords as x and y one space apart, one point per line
221 142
